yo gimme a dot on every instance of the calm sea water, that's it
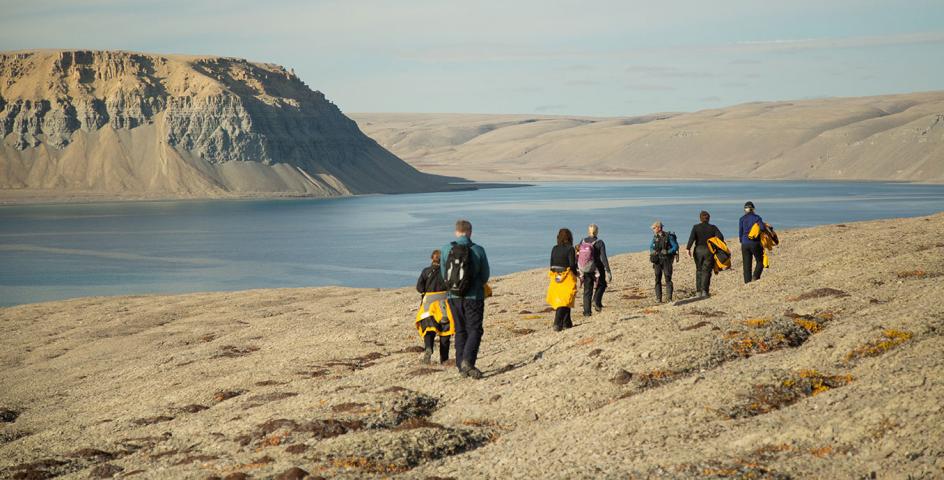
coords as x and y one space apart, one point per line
52 252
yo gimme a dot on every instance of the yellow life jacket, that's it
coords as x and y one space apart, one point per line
562 289
720 253
768 240
435 316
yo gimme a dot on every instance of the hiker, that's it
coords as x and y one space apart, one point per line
751 249
465 272
434 317
592 263
704 260
563 276
663 252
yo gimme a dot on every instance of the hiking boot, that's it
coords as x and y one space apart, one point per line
474 373
427 355
598 308
464 368
658 295
701 294
558 327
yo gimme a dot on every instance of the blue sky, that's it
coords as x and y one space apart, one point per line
522 56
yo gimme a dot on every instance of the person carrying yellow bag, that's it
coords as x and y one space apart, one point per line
434 316
706 260
750 228
768 239
563 277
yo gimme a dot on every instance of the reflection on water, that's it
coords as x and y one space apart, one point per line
61 251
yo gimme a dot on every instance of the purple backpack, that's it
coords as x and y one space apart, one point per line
585 261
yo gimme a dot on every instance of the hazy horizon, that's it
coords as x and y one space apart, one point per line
605 58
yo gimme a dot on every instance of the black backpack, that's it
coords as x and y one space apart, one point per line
459 270
664 244
672 238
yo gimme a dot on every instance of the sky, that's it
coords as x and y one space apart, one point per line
589 57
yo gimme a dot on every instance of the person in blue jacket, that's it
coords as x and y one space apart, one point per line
662 253
751 250
468 307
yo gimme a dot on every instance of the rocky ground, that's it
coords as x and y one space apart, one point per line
829 367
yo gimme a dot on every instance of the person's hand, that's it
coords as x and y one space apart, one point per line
609 277
689 251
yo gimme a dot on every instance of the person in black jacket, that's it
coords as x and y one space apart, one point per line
703 266
563 258
431 281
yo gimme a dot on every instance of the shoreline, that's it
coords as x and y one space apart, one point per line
91 198
408 287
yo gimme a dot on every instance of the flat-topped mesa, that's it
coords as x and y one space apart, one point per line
133 123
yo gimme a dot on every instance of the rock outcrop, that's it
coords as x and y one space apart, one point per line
132 124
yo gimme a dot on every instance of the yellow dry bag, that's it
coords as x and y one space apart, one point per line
562 289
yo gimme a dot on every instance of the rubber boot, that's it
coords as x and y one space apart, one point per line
427 354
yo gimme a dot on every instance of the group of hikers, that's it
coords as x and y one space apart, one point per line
454 288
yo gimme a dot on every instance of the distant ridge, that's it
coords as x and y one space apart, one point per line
892 137
124 124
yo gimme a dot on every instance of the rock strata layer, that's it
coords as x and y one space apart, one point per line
133 124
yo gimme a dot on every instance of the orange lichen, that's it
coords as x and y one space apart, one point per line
888 340
655 378
585 341
361 463
757 322
811 326
913 274
822 451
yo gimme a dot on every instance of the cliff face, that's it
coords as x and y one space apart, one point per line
139 124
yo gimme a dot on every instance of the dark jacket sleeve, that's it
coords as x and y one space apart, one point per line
421 282
718 233
572 260
483 269
691 239
605 261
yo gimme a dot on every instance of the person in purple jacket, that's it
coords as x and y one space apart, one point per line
751 249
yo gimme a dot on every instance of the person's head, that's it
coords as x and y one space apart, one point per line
749 207
463 228
436 257
704 216
564 237
657 227
593 229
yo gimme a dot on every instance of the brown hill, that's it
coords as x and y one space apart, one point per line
893 137
124 124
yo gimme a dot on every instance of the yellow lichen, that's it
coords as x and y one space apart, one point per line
811 326
889 339
757 322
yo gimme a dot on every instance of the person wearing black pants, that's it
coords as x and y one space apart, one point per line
468 307
751 249
564 258
703 258
662 253
431 282
598 274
